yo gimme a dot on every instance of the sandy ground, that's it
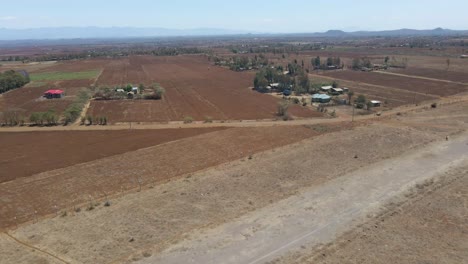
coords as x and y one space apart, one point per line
315 215
426 225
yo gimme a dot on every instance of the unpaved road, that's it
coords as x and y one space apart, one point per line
316 215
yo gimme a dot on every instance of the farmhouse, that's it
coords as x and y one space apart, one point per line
376 103
50 94
321 98
326 88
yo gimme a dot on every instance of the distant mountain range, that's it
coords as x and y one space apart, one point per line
393 33
131 32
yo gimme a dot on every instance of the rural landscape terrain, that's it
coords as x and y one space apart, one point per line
237 149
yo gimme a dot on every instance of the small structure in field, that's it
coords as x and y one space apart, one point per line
326 88
346 90
287 92
274 85
135 90
51 94
336 91
463 56
321 98
376 103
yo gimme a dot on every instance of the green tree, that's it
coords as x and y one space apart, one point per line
361 101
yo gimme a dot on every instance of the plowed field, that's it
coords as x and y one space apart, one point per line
193 88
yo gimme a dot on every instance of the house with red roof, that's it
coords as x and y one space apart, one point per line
50 94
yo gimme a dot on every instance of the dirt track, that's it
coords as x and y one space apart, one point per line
316 215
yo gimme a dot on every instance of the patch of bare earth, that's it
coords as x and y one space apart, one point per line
143 224
427 225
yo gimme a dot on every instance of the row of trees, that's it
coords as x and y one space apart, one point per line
74 110
10 80
329 62
238 63
111 52
49 118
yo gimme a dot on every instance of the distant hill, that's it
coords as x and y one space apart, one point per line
130 32
393 33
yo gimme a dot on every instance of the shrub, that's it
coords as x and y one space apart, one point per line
208 119
283 107
188 120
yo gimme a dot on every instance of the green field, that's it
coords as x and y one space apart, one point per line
61 76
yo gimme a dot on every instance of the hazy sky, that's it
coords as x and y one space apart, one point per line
251 15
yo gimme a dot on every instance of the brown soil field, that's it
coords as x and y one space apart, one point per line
73 185
405 83
74 66
165 214
428 225
25 154
435 74
193 88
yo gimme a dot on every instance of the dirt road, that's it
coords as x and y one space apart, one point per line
317 215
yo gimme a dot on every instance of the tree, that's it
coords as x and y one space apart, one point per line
329 61
369 105
386 60
335 84
448 64
304 82
316 62
350 96
360 101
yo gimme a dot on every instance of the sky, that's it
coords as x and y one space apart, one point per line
286 16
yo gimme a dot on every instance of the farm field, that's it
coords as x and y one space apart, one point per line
156 218
28 99
392 96
112 174
193 88
420 86
435 74
40 149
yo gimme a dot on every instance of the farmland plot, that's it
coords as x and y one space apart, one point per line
193 88
416 85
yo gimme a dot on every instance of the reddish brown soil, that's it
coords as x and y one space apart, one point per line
193 88
75 66
64 187
435 74
399 82
28 153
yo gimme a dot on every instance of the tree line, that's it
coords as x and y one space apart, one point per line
11 79
110 52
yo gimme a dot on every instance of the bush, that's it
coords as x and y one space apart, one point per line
208 119
283 107
188 120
